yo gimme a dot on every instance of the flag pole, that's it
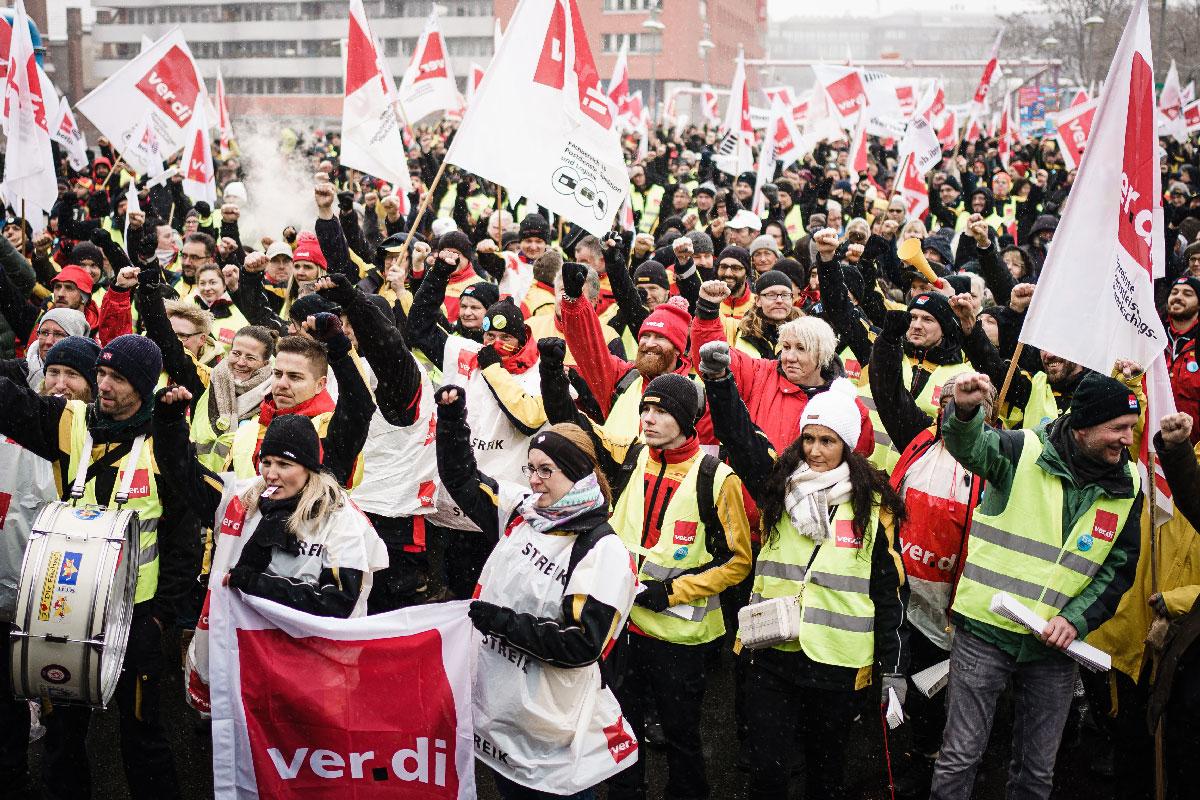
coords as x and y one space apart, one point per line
111 172
1012 368
1159 765
421 208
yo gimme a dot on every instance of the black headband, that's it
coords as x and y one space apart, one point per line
573 462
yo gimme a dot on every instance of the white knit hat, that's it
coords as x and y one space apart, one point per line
836 409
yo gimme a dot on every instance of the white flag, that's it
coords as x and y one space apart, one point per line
224 125
1170 107
428 84
708 105
161 83
570 161
371 140
142 149
66 132
29 177
735 153
199 181
921 142
1160 401
1095 298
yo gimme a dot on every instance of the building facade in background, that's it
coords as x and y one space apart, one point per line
284 57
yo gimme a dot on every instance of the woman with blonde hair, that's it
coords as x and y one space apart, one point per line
551 599
297 539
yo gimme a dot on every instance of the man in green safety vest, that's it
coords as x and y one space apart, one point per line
1057 530
107 439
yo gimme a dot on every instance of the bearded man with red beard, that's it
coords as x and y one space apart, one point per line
616 383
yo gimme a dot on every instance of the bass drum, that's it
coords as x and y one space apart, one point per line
75 604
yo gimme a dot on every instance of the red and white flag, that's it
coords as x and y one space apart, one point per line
974 130
144 151
735 152
199 178
1006 135
473 80
708 105
913 189
948 131
28 158
571 160
618 86
1191 116
844 88
782 144
66 131
307 706
1095 299
906 97
1071 130
428 84
933 105
224 126
1160 401
1170 106
921 143
979 108
371 138
162 82
1188 93
784 93
1080 98
856 159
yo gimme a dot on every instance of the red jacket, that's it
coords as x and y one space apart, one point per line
775 403
1185 379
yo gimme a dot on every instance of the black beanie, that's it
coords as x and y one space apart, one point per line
651 273
740 254
677 396
747 177
457 240
574 463
505 317
86 251
1098 399
794 270
294 437
486 294
854 281
311 305
137 359
77 353
961 284
938 305
535 225
772 277
1188 280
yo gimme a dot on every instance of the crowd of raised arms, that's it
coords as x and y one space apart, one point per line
771 416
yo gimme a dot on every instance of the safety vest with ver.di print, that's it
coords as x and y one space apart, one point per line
885 456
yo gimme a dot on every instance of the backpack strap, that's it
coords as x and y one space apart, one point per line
584 542
625 470
704 500
624 383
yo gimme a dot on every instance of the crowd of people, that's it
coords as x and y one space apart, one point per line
714 411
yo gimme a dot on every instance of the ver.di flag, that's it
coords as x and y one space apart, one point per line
371 139
161 83
735 151
1095 298
66 131
428 84
29 178
199 178
1071 130
370 707
570 161
781 145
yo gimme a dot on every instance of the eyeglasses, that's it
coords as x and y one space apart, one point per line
183 337
542 472
776 297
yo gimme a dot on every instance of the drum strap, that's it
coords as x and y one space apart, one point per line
85 460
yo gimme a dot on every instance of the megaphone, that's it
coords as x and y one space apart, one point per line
911 253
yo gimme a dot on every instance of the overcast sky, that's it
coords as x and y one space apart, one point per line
783 9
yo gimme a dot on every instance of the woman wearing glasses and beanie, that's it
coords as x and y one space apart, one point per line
551 599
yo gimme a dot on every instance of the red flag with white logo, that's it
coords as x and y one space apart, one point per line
1095 299
948 131
428 85
197 165
307 706
735 151
28 158
913 190
1191 116
371 137
1071 130
162 82
570 160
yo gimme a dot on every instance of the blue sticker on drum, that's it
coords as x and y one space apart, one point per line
87 513
55 673
68 573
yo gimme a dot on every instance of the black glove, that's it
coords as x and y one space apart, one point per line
239 577
203 209
614 254
553 351
442 267
327 328
484 615
346 201
342 292
146 245
573 277
895 324
487 356
656 596
100 237
457 409
167 413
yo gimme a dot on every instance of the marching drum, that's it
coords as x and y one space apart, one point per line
75 604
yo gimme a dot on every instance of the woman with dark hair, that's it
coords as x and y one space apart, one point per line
552 598
829 520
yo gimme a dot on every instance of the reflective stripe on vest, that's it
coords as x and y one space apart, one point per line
837 615
143 498
1022 550
682 547
885 455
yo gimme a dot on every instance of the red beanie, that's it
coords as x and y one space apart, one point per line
670 320
76 275
309 249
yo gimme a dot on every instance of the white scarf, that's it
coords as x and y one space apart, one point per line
809 496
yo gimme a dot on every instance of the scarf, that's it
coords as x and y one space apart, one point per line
583 497
105 429
312 407
272 533
231 400
517 362
1083 468
810 495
